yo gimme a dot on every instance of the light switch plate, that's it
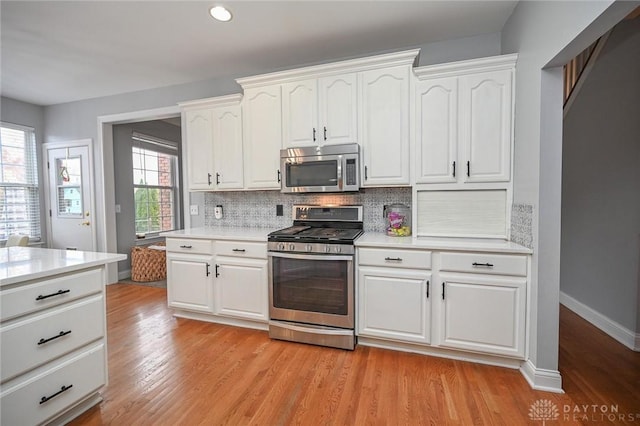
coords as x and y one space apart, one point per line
118 209
193 209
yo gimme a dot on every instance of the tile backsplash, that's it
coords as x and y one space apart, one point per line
257 209
521 224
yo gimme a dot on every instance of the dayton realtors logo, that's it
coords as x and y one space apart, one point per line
545 410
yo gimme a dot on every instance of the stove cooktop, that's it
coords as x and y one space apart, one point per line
315 234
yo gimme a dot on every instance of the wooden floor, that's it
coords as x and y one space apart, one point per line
168 371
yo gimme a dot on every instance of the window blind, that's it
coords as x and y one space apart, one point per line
19 190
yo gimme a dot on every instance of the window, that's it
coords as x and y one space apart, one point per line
19 193
154 187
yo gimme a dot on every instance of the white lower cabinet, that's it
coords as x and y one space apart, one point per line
190 281
394 304
241 288
483 314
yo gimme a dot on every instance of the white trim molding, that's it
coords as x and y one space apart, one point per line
541 379
615 330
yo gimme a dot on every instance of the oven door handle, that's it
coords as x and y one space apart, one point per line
309 256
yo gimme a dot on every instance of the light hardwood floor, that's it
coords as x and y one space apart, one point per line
168 371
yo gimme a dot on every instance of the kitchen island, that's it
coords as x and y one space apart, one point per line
52 333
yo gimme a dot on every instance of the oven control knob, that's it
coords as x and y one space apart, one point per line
281 246
309 247
327 249
338 249
292 247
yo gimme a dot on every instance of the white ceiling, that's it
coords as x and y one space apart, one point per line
62 51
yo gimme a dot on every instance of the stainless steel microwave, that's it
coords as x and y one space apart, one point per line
330 168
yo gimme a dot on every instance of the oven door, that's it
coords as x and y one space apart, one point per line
312 174
312 289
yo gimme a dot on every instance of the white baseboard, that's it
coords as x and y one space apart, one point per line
541 379
604 323
123 275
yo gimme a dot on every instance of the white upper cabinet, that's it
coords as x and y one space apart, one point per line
199 150
320 111
384 123
485 125
300 113
262 107
227 147
213 143
464 121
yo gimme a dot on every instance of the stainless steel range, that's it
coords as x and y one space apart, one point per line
311 276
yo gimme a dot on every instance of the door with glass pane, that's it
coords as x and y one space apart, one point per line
70 204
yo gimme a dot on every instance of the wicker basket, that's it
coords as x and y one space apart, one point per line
148 264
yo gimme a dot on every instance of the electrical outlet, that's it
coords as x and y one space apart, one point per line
118 209
193 209
279 210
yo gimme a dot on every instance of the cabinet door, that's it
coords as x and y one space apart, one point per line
485 125
437 131
394 304
384 123
199 151
338 96
227 147
483 314
300 113
262 123
241 288
190 282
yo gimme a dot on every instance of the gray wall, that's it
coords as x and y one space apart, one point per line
123 165
601 183
17 112
547 35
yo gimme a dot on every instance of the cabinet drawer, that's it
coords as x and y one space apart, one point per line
416 259
484 263
44 294
37 340
23 404
185 245
243 249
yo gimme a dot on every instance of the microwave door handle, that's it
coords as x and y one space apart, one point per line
340 186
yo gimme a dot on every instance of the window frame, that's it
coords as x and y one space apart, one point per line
31 165
174 187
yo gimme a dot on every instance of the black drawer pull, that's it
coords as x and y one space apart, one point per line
62 389
57 336
239 250
488 265
58 293
395 259
185 246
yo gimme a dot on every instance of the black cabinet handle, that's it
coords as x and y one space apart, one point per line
62 389
325 133
454 169
239 250
217 178
427 289
57 336
217 273
314 134
443 291
278 176
58 293
396 259
365 172
468 169
208 272
185 246
209 178
488 265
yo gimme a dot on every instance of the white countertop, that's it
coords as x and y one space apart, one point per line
18 264
236 234
378 239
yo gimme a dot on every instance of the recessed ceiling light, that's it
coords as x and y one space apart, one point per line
220 13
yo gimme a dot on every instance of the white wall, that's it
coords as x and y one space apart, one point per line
546 35
25 114
601 183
